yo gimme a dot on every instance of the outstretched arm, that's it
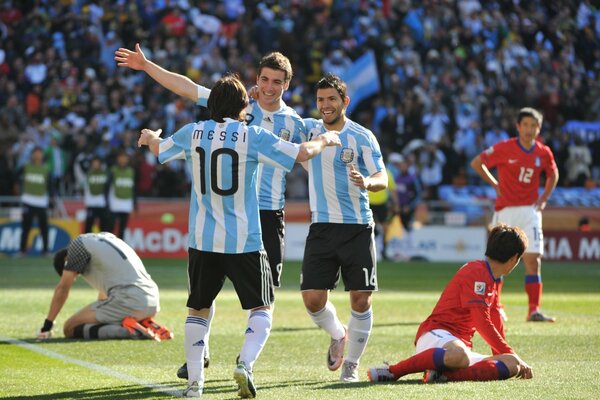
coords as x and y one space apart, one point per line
61 293
313 147
150 138
176 83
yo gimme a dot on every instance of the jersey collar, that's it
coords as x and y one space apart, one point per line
524 149
487 264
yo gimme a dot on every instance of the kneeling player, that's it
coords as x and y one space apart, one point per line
127 299
468 304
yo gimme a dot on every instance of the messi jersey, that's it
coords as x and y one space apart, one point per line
284 123
224 158
519 170
333 198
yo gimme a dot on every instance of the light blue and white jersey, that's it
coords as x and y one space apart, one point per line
286 124
333 197
224 159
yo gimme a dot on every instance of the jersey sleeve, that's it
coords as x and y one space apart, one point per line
203 94
176 147
474 289
78 257
299 131
272 150
492 156
371 155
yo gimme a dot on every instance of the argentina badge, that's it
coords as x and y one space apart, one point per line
347 155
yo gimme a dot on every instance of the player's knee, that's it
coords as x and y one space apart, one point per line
511 363
360 303
456 357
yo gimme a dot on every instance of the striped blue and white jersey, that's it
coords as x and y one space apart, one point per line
286 124
333 197
224 159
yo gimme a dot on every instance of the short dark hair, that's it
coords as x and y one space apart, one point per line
59 261
530 112
504 242
227 98
276 61
334 82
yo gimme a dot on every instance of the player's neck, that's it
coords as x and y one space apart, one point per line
526 144
337 125
271 107
496 267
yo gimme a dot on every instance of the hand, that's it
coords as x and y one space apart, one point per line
132 59
540 204
331 138
253 92
43 335
147 135
357 179
525 371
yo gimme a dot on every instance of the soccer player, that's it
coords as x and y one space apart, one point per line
35 197
122 196
225 233
269 112
519 162
95 195
340 239
467 304
127 295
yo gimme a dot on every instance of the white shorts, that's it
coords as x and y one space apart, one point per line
527 218
439 337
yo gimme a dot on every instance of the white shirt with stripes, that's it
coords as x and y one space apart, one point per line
224 159
284 123
333 197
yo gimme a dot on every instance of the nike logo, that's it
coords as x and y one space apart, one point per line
510 161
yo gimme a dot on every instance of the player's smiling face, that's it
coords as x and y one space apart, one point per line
528 130
271 85
331 106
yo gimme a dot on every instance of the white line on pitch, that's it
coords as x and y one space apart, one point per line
94 367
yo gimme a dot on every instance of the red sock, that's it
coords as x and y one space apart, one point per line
486 370
428 359
533 287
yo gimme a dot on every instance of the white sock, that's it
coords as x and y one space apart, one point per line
359 330
257 333
195 335
327 319
211 314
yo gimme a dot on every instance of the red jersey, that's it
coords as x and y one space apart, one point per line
518 170
465 305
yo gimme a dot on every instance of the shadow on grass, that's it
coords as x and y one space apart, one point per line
364 384
211 388
118 392
316 328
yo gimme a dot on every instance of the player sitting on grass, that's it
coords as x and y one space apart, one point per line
469 303
128 297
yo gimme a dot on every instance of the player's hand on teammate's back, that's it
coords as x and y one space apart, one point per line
146 135
132 59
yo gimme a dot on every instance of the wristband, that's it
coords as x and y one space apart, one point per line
47 325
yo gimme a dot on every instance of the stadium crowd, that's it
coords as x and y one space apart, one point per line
453 74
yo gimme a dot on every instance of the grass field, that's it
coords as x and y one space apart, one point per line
565 355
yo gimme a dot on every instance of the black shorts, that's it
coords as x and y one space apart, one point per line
272 226
249 273
380 212
334 248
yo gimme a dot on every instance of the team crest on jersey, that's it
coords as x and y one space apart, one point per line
479 288
249 118
347 155
489 150
285 134
538 162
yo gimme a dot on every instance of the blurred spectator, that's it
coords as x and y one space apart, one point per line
443 66
578 163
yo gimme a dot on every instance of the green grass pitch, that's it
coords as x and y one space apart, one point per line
565 355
